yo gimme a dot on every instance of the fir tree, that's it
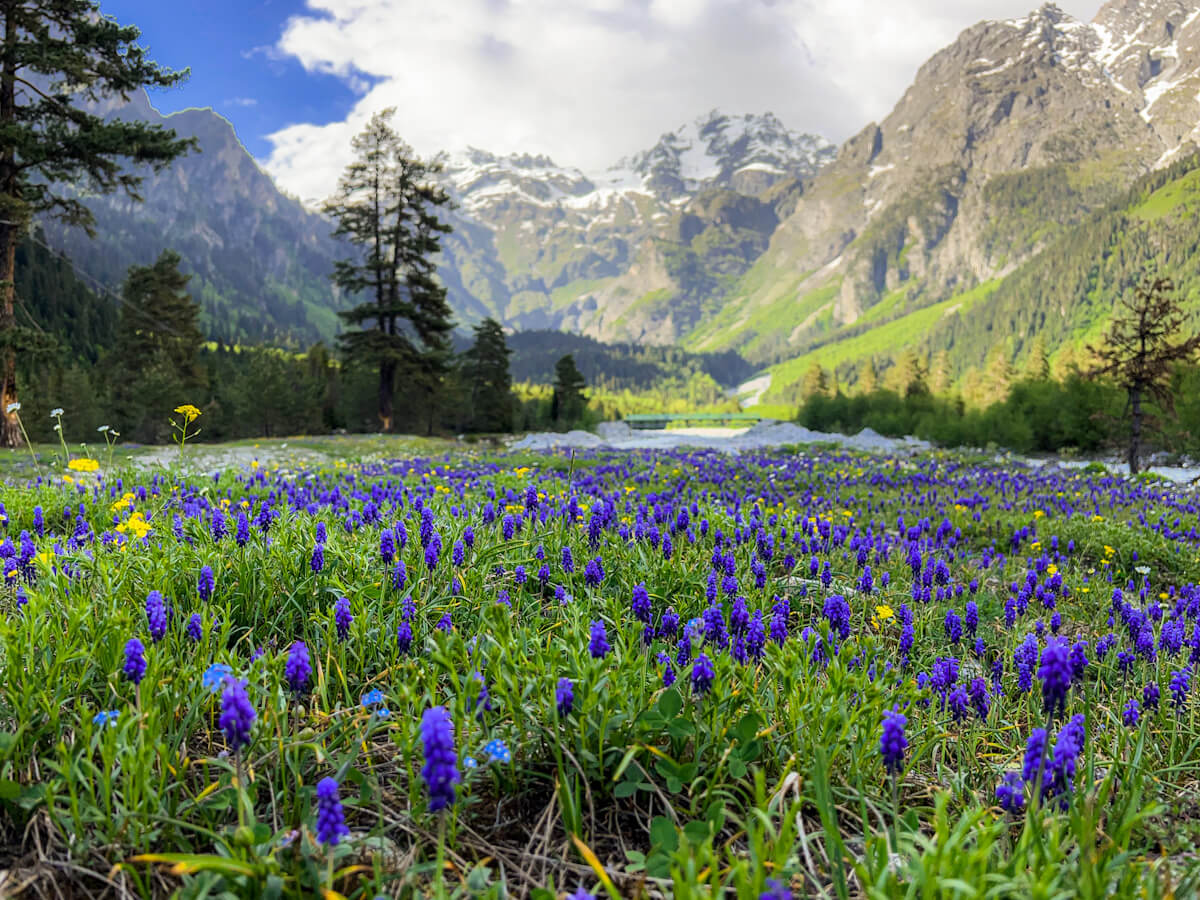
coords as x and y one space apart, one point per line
939 373
999 376
158 317
489 381
868 379
387 205
55 54
568 402
1037 367
1140 351
908 376
158 339
815 381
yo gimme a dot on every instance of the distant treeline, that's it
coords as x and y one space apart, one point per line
1037 415
617 367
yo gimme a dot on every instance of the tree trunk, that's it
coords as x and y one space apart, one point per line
387 379
1135 430
11 215
10 429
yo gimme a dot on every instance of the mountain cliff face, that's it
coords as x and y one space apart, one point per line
1007 138
637 252
259 261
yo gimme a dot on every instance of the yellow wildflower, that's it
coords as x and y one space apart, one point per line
189 412
83 464
135 525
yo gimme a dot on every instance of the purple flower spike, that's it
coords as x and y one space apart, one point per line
440 771
892 742
331 820
135 662
237 715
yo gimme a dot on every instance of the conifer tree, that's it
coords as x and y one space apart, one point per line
939 373
568 401
908 376
387 204
158 317
1140 350
489 381
158 339
999 376
815 381
54 56
868 379
1037 367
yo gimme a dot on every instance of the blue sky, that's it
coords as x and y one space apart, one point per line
230 48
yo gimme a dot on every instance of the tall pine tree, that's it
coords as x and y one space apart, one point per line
55 55
388 206
488 378
158 340
568 402
1148 338
159 319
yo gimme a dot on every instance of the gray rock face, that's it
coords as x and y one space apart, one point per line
638 251
1015 131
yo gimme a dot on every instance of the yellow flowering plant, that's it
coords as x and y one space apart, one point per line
188 414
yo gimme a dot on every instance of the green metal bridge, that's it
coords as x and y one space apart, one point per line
655 421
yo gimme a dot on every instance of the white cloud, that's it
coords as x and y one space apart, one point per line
588 81
242 101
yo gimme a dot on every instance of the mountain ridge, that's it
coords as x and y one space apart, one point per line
734 232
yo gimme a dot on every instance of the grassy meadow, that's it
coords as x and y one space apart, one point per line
366 667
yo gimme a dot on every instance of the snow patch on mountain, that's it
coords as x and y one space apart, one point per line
713 150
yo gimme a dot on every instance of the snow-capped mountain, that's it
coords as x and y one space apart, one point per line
746 153
569 249
1006 139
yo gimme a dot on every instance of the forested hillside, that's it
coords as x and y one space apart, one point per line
1051 306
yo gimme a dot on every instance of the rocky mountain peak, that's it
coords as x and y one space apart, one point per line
747 152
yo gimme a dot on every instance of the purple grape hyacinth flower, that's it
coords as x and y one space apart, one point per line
135 661
205 583
298 668
564 696
1055 674
598 644
703 674
1010 793
237 714
440 771
1130 714
342 617
892 742
156 616
404 637
331 820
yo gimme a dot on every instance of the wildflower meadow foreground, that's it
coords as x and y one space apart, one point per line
795 673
